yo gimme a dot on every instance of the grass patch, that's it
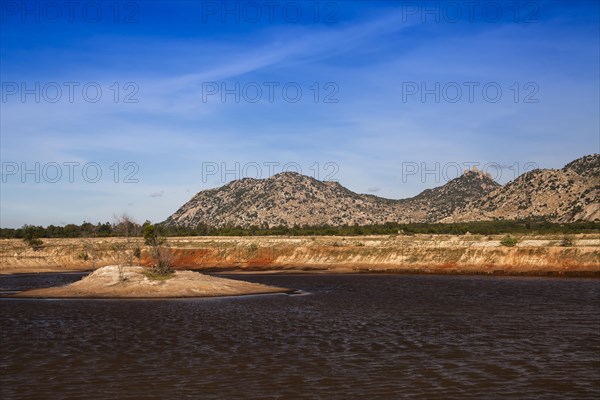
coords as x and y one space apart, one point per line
509 241
158 277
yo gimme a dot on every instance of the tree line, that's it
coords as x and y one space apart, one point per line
129 228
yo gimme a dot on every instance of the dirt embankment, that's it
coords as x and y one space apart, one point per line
533 255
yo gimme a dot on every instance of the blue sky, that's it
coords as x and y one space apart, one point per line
396 97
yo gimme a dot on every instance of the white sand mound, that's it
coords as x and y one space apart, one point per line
114 281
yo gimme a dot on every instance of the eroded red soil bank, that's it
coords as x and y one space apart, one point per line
468 254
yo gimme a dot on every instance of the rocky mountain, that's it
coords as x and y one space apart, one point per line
441 202
290 199
285 199
559 195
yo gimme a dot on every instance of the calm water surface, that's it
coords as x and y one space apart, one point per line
350 336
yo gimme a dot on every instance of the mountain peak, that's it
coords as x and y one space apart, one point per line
290 176
585 166
286 174
444 200
476 172
561 195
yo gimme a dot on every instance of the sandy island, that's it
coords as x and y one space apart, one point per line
134 282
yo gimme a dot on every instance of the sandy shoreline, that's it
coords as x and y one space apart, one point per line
536 255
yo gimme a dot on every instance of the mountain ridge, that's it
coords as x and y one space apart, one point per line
291 199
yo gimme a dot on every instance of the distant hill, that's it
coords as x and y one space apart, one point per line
290 199
431 205
558 195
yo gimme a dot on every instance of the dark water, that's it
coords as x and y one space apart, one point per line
352 336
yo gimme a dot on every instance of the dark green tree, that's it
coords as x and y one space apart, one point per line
161 254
